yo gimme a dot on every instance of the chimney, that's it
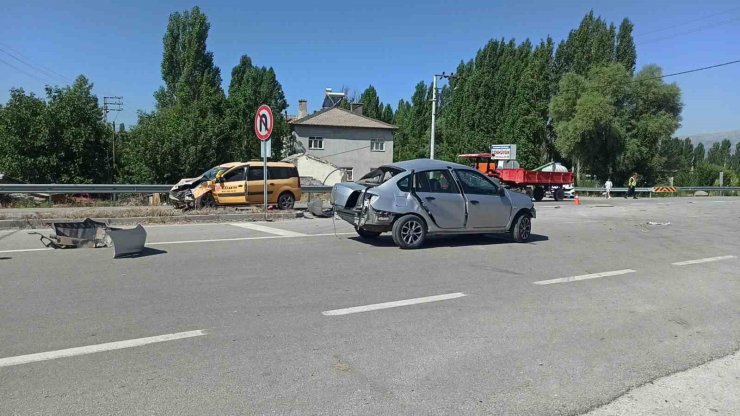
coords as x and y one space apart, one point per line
356 108
302 108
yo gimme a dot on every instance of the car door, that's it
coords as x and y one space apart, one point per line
232 188
442 198
486 207
255 185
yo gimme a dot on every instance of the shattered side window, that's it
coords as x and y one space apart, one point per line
379 175
403 184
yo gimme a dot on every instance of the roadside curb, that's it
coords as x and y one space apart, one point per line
179 219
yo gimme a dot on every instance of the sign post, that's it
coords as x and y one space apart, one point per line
263 122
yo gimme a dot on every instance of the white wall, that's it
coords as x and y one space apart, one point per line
317 170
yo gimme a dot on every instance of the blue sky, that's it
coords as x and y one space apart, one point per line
390 44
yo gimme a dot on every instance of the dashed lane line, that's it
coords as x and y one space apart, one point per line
704 260
90 349
584 277
394 304
268 230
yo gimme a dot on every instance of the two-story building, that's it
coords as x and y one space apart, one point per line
344 138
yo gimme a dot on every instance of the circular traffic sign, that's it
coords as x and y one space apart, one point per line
263 122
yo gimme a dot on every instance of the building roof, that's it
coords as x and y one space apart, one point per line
339 117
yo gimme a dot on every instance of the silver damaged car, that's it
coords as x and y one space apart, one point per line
418 198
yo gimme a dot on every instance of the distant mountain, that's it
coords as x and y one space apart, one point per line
709 138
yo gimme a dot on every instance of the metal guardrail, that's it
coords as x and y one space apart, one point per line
678 189
108 189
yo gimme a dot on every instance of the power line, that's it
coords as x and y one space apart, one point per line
25 72
20 57
698 29
688 71
642 34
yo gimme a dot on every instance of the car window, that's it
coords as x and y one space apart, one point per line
235 175
210 174
475 183
255 174
437 181
281 172
403 184
380 175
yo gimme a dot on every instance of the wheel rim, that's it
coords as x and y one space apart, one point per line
411 232
525 227
285 201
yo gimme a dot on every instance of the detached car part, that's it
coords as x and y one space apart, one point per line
94 234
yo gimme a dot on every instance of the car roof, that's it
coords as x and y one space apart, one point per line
258 163
427 164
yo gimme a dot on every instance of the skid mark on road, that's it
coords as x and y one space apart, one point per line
268 230
394 304
584 277
705 260
90 349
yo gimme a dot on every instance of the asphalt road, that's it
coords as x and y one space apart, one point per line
262 325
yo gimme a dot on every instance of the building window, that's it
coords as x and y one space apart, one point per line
348 174
377 145
316 143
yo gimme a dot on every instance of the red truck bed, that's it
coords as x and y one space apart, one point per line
528 177
518 176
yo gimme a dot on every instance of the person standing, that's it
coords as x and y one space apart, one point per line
631 185
608 186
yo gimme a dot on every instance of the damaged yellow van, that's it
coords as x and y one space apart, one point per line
244 184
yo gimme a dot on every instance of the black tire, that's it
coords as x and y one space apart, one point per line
539 193
286 200
522 228
409 232
558 194
205 201
367 235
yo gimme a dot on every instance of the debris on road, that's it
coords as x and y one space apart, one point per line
94 234
316 208
658 223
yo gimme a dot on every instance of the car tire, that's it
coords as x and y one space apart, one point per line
522 228
365 234
409 232
539 193
205 201
286 200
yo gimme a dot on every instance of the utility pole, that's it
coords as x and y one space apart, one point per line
112 104
434 108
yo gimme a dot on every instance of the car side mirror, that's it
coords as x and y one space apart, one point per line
501 191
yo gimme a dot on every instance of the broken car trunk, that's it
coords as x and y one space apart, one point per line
94 234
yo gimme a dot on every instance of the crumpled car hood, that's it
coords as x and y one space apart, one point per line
185 182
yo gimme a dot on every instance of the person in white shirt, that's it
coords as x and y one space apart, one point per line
608 186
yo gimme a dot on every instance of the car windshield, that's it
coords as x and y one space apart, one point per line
379 175
210 174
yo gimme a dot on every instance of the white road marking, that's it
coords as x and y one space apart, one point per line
25 250
268 230
706 260
395 304
90 349
584 277
268 237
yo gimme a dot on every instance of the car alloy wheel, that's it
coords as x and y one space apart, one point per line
525 227
411 232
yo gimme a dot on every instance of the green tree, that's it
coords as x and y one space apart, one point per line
25 143
626 53
250 87
414 120
387 115
186 134
699 154
371 105
612 122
